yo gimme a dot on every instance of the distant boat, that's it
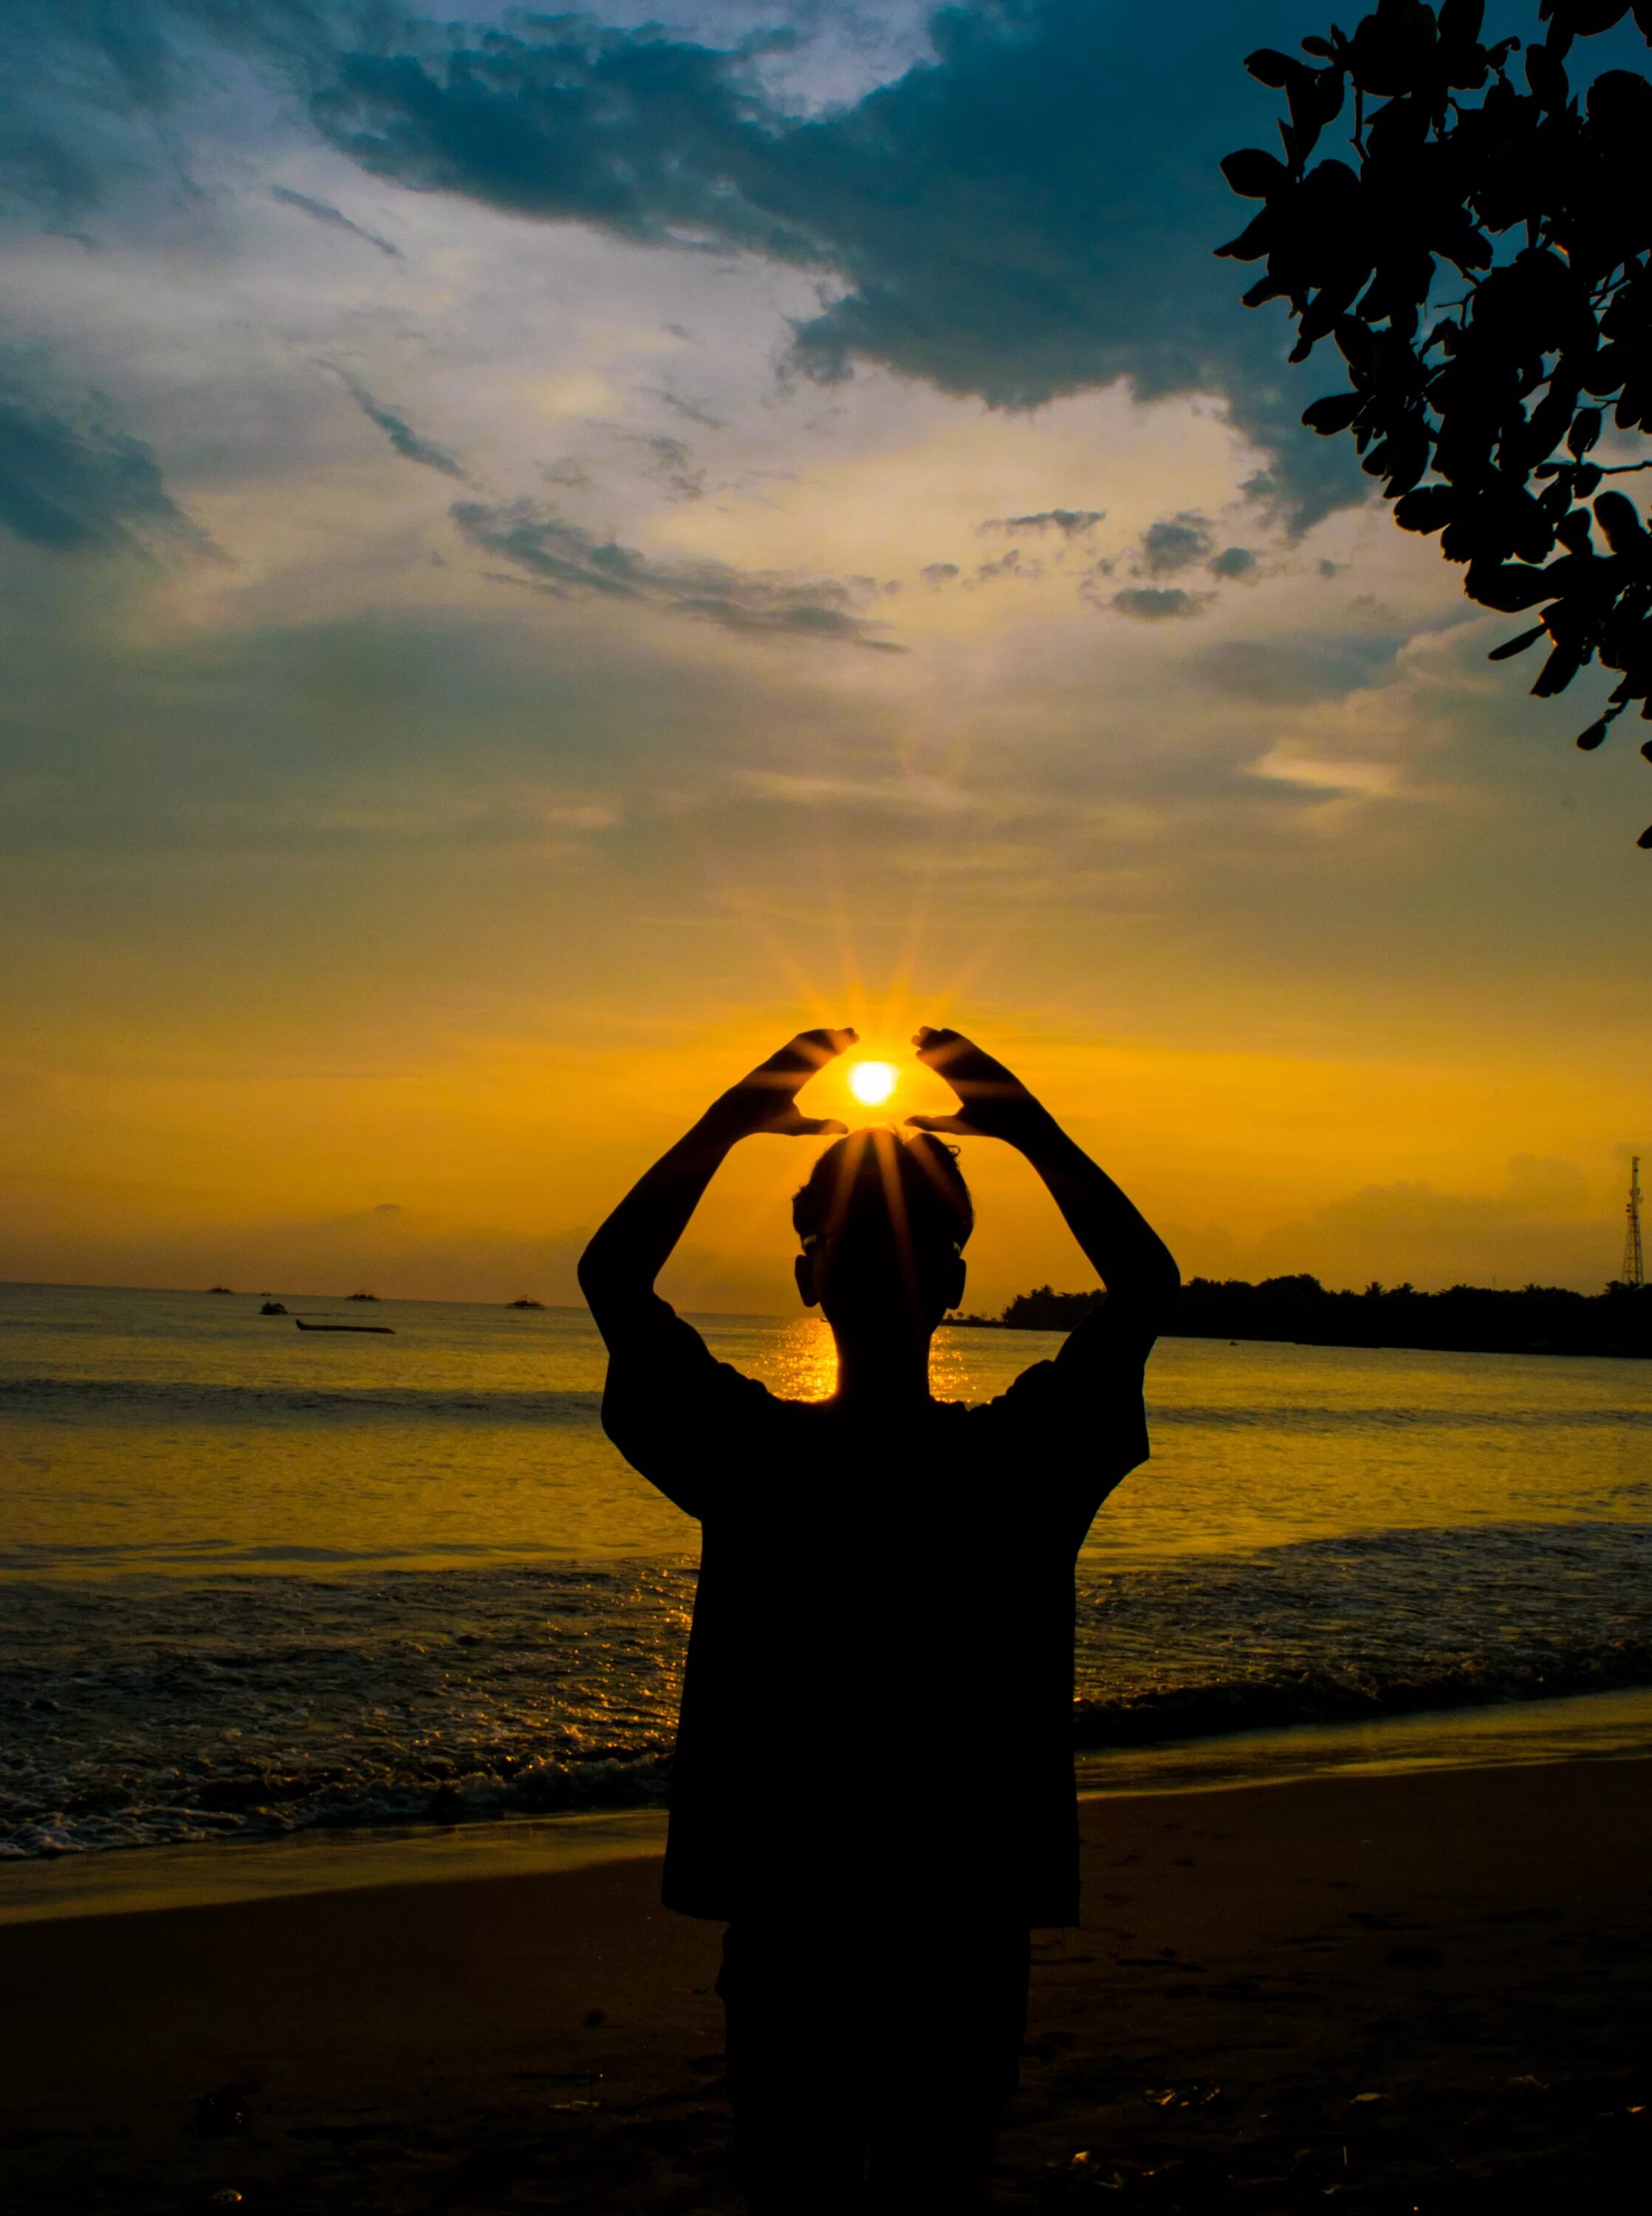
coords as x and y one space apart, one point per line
525 1303
361 1296
220 1289
383 1330
274 1308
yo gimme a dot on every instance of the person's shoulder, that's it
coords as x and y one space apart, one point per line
759 1398
737 1388
1024 1392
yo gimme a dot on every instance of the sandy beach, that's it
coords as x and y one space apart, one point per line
1411 1992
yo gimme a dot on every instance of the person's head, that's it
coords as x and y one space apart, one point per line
884 1220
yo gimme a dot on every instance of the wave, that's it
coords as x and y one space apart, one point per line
324 1801
154 1709
144 1399
57 1397
1285 1416
1328 1696
30 1559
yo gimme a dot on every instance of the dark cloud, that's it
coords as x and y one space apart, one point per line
938 572
1282 675
401 434
76 77
73 481
1032 213
561 558
669 463
1007 565
1153 603
324 212
1174 544
690 409
39 171
1071 523
1234 562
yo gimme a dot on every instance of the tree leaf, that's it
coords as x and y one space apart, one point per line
1616 514
1511 647
1270 67
1558 672
1334 413
1255 174
1509 585
1584 19
1430 507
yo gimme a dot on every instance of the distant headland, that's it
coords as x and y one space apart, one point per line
1465 1319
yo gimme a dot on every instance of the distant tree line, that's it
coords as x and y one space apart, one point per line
1465 1319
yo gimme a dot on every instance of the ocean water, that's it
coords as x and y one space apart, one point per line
256 1582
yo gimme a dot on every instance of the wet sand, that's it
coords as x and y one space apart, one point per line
1385 1992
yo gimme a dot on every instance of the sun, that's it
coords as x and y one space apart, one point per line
872 1081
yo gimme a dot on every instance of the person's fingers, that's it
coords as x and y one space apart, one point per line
794 1064
930 1041
816 1127
959 1126
821 1047
942 1050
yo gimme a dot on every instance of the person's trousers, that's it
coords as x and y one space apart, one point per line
870 2061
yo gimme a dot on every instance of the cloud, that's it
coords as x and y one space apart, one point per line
1346 779
1153 603
1174 544
909 795
74 482
691 410
670 462
562 558
38 170
1234 562
1007 565
1080 253
324 212
1071 523
70 77
401 436
397 1253
938 572
1281 674
1545 1225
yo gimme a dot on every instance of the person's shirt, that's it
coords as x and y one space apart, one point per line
877 1702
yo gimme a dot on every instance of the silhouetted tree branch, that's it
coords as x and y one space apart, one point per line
1484 415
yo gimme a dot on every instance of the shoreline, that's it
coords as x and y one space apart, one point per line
1424 1989
1574 1729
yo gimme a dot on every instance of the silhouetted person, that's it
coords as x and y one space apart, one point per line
874 1778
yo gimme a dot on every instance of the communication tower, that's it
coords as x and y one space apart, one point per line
1634 1269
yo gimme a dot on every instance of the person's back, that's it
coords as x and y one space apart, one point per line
874 1774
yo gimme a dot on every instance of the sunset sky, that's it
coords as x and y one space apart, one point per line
540 556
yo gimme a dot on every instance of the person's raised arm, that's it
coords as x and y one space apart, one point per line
1131 1260
619 1268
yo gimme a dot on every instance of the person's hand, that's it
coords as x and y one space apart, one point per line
995 1103
767 1099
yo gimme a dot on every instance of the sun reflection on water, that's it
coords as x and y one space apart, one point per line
950 1371
803 1366
800 1362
